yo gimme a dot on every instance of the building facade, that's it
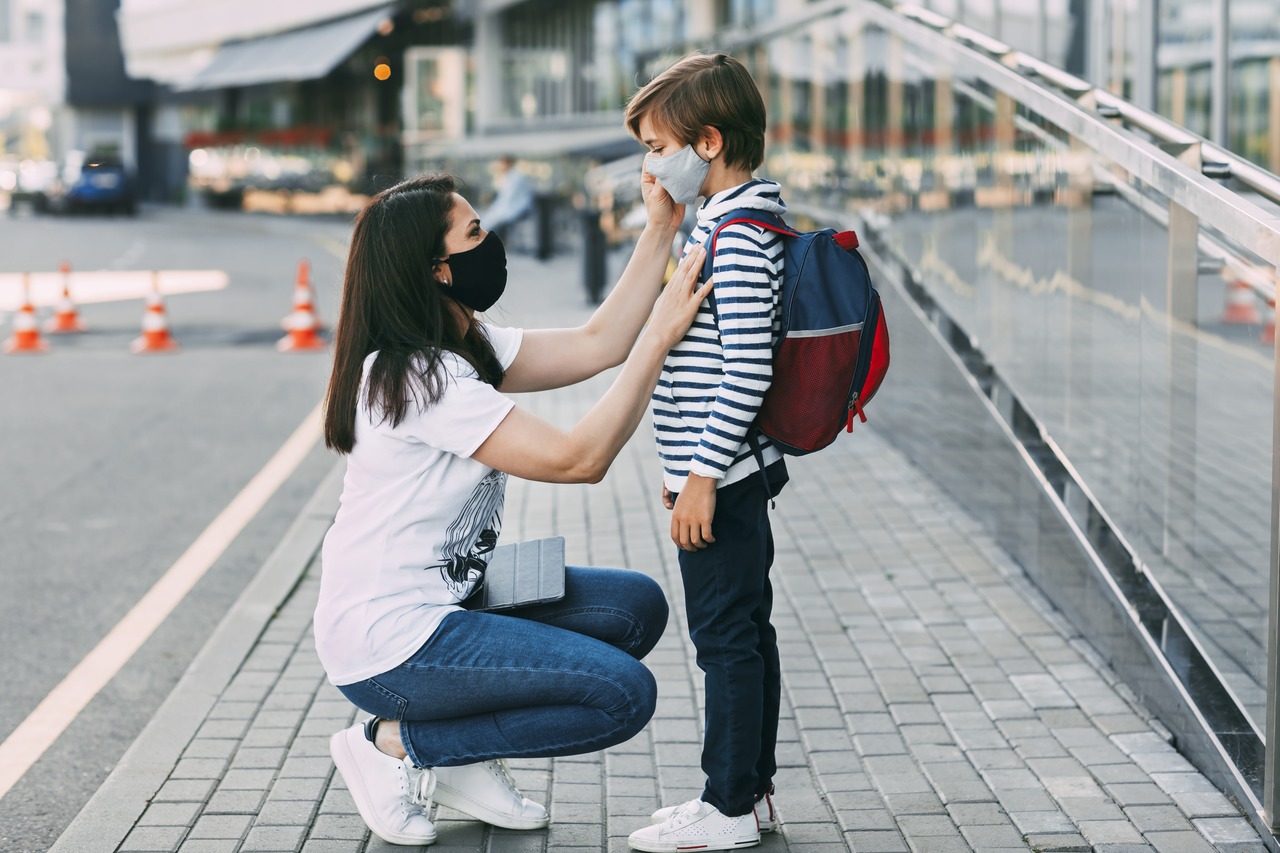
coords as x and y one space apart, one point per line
32 91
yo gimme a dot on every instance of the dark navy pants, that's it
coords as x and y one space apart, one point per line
728 600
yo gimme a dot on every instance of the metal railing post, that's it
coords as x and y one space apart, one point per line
1079 320
1178 517
1271 762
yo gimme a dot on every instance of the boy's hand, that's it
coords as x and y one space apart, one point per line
666 497
663 212
695 507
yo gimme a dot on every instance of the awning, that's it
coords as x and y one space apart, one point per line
296 55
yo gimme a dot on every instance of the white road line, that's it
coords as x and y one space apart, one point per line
56 711
105 285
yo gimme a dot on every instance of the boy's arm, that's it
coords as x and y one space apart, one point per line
744 274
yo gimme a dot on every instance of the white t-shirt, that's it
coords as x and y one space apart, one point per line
418 522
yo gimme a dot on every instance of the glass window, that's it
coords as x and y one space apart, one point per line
35 27
6 21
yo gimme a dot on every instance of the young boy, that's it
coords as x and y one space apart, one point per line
703 121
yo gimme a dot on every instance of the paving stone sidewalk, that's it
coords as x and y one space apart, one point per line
933 700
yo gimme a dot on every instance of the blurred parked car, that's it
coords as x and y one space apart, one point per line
102 185
27 181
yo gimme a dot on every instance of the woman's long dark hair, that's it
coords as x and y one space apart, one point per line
391 304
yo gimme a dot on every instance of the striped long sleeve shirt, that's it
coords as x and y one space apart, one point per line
715 379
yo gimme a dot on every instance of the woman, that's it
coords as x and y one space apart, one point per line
416 399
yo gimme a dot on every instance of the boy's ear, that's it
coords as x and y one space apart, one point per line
711 143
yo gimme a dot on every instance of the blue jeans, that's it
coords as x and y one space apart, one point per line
561 678
728 600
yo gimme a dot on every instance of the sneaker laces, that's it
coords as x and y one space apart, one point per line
422 789
503 772
685 813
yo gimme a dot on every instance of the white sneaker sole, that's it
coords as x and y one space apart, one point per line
456 800
347 765
674 847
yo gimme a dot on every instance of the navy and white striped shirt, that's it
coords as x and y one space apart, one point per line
715 379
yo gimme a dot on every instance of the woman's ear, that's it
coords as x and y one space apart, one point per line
711 143
440 272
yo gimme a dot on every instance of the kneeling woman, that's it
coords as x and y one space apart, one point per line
416 400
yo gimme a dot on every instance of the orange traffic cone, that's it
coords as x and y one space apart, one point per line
303 326
155 335
26 331
65 319
1268 336
304 298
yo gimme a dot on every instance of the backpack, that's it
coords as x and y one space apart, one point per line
832 350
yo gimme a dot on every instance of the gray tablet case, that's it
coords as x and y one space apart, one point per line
524 573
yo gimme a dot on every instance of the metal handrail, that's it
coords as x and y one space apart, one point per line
1089 113
1191 149
1221 163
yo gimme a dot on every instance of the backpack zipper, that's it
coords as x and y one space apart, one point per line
863 366
854 408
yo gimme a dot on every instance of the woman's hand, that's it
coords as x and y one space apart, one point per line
663 211
678 304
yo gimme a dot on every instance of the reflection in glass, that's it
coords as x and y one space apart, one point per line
1098 301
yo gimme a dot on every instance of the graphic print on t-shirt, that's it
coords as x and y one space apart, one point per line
472 536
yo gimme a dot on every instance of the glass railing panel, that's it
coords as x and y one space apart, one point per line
1116 317
1206 430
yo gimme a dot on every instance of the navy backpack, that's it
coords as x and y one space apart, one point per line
832 349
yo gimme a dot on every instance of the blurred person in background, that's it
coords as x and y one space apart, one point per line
514 199
417 401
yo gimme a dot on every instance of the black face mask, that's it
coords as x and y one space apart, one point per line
479 274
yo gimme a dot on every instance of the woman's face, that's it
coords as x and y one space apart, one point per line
463 235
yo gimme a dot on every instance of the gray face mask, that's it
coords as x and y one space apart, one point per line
681 173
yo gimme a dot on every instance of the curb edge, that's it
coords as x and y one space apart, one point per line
116 806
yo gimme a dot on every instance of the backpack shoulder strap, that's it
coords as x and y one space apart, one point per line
759 218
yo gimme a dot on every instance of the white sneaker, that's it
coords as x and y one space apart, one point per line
766 815
486 791
391 794
697 825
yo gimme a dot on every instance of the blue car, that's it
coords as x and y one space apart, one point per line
100 185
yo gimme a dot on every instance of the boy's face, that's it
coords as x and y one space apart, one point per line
659 140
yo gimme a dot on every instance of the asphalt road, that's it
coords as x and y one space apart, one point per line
112 464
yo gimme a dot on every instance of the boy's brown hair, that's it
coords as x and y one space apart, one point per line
702 90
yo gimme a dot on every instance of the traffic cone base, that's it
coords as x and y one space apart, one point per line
155 337
149 342
65 323
25 342
303 328
26 331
